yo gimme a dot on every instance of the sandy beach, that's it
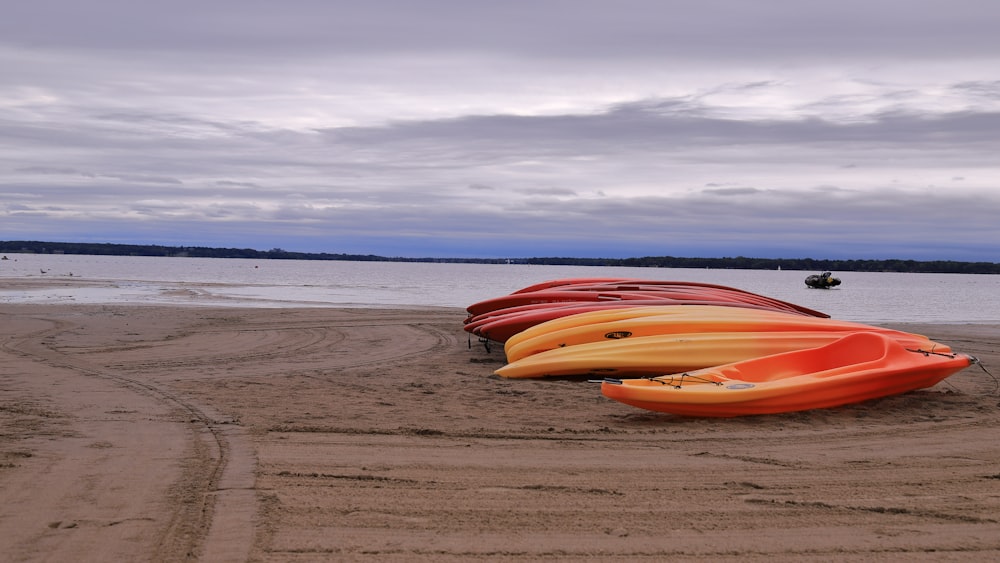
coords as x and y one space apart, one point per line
148 433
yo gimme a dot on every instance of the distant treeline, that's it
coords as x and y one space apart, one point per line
108 249
737 263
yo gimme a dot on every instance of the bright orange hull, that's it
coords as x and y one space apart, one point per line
854 368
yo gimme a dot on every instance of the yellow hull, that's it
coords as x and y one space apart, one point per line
619 324
657 355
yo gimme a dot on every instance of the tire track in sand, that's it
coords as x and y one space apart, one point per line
140 351
217 477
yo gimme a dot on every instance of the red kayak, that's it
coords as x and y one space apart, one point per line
501 327
639 289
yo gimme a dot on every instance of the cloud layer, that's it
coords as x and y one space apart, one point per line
556 128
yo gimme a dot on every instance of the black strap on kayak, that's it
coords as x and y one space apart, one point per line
677 381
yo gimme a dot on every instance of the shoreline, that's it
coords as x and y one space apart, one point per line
168 433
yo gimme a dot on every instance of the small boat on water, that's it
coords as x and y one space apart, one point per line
854 368
822 281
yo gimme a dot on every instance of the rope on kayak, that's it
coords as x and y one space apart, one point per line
677 381
996 382
972 360
930 352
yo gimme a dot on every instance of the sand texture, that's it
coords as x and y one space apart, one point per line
146 433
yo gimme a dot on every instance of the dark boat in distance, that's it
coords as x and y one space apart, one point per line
822 281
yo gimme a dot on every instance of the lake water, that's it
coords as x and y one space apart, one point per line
863 297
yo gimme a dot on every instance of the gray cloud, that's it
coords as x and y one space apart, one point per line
589 128
733 191
588 28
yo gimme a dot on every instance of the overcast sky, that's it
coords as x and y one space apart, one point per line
617 128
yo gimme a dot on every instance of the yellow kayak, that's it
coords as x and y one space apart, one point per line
620 324
657 355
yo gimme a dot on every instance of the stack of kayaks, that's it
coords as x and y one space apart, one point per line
701 349
499 318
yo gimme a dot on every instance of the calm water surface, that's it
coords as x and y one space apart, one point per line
863 297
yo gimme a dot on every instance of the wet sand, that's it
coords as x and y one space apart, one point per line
150 433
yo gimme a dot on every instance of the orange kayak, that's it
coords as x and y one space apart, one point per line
854 368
